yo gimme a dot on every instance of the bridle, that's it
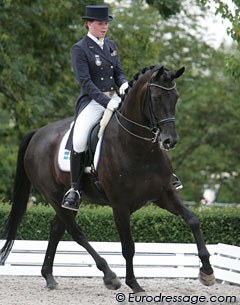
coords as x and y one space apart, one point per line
154 121
155 124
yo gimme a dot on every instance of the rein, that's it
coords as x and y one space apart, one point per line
155 130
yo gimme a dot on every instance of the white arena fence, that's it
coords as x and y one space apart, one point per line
152 260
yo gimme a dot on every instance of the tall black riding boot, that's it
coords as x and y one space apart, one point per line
72 198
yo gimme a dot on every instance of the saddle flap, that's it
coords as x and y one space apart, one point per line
91 157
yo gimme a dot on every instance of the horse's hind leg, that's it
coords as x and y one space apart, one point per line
171 202
110 279
56 233
122 220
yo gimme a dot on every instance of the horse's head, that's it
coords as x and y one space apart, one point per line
160 103
149 107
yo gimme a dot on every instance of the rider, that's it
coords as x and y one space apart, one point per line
98 70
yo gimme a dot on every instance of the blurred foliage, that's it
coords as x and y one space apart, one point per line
166 8
150 224
37 85
230 11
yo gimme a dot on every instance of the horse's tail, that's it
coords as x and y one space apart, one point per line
21 191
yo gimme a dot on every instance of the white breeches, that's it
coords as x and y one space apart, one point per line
84 122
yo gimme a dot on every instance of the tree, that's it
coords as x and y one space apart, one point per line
37 85
166 8
36 81
231 12
208 107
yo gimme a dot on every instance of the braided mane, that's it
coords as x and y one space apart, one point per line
135 78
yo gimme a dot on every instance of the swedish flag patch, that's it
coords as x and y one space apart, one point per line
66 155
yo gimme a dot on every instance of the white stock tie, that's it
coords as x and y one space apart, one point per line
100 43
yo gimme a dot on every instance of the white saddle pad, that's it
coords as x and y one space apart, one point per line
64 154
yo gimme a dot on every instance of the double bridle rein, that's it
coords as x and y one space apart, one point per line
154 129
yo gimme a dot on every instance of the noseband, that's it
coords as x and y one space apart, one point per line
154 129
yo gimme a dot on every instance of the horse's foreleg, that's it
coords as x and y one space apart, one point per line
206 275
110 279
122 220
56 233
171 202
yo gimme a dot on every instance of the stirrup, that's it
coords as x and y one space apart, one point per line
72 190
177 184
73 202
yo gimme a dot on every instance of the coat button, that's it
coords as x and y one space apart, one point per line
111 67
102 78
112 88
111 77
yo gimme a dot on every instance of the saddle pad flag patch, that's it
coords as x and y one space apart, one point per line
64 154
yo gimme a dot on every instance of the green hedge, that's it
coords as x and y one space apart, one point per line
150 224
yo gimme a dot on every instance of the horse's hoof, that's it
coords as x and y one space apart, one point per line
112 284
206 279
52 284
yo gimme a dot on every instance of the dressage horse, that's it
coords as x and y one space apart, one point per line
133 169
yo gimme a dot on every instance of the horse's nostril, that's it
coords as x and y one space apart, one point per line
169 143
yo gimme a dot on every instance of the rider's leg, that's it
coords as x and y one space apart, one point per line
72 198
84 122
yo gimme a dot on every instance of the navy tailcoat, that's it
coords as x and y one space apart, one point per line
97 70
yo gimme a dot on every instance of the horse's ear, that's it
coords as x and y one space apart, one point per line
179 72
158 73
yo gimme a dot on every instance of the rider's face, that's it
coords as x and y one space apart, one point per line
98 28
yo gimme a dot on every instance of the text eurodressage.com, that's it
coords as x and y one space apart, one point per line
179 299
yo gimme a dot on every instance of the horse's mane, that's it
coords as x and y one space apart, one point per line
132 82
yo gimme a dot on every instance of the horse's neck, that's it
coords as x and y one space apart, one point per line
130 133
133 104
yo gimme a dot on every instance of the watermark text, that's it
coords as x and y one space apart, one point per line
176 299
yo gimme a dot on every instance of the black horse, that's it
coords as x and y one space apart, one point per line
133 170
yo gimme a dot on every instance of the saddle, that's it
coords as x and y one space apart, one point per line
92 145
92 156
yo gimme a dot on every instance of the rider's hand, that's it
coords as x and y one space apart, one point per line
123 88
114 102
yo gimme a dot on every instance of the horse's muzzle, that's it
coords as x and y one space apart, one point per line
169 142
